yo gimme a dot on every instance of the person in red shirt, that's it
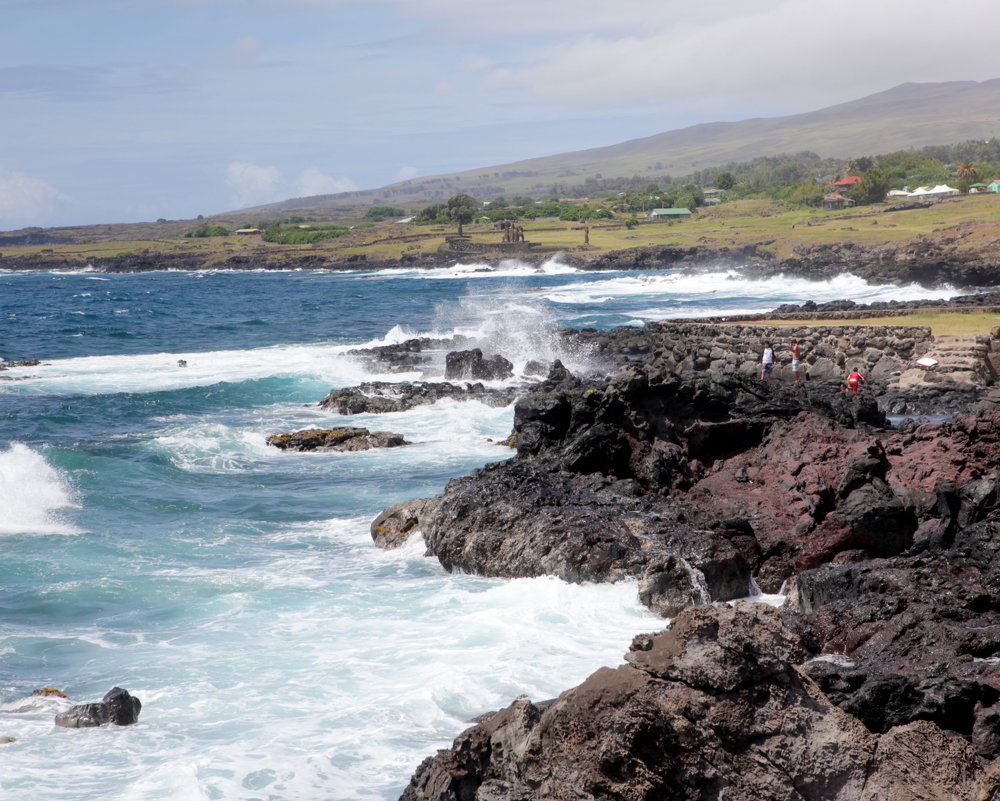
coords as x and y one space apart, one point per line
854 379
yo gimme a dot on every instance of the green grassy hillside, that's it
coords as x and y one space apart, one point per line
967 225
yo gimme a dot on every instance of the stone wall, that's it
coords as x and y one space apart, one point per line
456 244
828 351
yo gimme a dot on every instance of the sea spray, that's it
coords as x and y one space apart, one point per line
32 494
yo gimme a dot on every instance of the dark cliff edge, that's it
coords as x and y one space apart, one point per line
878 677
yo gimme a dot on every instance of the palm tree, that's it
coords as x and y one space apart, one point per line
967 175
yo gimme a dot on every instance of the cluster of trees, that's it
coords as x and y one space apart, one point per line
460 209
207 230
379 213
804 177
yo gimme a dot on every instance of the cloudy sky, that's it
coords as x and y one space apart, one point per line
129 110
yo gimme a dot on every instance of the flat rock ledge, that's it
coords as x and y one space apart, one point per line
336 439
715 707
379 397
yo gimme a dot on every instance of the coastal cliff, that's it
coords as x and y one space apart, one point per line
685 472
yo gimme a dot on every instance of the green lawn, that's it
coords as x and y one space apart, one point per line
947 323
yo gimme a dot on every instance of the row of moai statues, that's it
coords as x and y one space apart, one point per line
513 233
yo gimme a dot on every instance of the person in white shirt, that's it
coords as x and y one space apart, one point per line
766 362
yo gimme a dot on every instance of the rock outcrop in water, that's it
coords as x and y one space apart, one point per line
336 439
378 397
471 364
118 708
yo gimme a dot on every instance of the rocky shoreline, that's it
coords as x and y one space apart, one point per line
879 675
927 262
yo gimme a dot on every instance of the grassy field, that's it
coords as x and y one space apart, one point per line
945 323
967 224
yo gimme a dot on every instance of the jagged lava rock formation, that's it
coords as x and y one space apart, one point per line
696 484
712 708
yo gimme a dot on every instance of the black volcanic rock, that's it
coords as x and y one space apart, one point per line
471 364
712 708
377 397
117 707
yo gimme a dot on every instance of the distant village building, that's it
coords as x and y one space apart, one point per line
978 188
663 214
994 185
846 182
247 231
836 201
574 200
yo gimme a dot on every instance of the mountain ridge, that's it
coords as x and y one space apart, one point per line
908 115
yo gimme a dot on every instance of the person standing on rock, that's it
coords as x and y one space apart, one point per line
766 362
796 361
854 379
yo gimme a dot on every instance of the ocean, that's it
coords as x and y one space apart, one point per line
151 539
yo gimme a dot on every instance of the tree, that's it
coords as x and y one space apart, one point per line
379 213
860 165
431 214
207 230
967 175
725 180
872 188
462 209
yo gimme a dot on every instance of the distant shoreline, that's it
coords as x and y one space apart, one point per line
925 263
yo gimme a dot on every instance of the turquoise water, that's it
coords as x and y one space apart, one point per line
153 541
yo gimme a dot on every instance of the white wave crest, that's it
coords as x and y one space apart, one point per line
31 494
731 292
154 372
506 268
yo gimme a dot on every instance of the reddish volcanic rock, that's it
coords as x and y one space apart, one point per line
946 452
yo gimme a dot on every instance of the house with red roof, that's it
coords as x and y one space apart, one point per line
846 182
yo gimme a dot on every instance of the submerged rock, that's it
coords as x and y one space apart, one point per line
395 524
118 707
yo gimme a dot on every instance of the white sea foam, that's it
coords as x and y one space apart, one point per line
329 364
327 671
32 494
728 291
445 433
506 268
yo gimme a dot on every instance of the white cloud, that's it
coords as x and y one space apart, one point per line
807 53
26 200
313 182
406 173
252 184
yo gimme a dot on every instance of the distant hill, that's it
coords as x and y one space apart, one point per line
907 116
